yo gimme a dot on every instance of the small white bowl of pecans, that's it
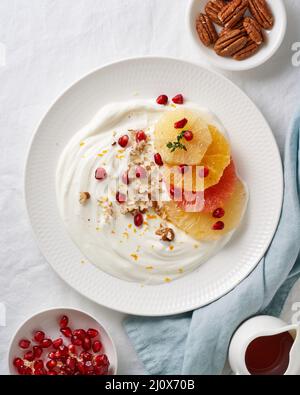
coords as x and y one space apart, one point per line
237 34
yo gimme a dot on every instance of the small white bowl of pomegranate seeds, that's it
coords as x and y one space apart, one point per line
64 342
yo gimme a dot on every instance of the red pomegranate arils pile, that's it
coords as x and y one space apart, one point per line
80 352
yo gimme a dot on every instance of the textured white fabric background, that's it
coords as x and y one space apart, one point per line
49 45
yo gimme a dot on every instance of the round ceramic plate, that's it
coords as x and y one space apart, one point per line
254 150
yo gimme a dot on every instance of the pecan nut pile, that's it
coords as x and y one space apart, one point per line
243 23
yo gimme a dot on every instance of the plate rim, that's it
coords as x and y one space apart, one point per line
125 60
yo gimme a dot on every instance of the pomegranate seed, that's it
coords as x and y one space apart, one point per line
64 351
125 178
88 366
39 372
46 343
101 360
66 332
101 370
141 136
76 341
86 344
51 364
97 346
188 135
58 355
219 213
180 124
218 225
98 370
38 364
51 373
28 371
86 356
18 362
79 333
123 141
80 367
121 198
138 219
100 174
92 333
183 169
66 371
39 336
64 321
178 99
158 160
57 343
71 363
38 351
140 172
162 100
52 355
204 172
21 370
24 344
72 349
29 356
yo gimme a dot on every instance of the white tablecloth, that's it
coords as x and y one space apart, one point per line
49 44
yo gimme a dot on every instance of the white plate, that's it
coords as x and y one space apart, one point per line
273 38
254 150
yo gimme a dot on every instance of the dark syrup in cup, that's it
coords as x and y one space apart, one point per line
269 355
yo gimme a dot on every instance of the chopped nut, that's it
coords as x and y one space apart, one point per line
84 197
167 234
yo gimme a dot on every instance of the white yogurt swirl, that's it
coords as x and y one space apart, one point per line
117 246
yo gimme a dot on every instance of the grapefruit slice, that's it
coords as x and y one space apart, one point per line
217 195
213 197
201 225
166 133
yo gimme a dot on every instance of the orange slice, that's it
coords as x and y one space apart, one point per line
215 160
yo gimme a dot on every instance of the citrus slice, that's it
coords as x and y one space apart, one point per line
215 160
213 197
217 195
204 226
166 133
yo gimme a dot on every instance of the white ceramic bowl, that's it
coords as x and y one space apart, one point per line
273 37
47 321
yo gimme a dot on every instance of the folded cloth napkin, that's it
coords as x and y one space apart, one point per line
197 342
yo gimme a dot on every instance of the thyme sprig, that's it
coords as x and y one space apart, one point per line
177 144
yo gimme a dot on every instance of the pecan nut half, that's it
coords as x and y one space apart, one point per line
253 30
206 30
230 43
233 12
212 9
262 13
239 26
247 51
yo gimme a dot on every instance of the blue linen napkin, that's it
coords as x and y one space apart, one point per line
197 342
